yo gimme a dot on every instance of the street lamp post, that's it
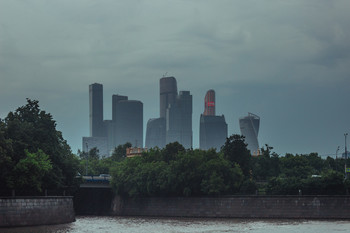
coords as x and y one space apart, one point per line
346 155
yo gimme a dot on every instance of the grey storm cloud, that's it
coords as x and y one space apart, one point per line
286 61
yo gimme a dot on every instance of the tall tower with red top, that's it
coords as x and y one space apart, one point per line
212 128
209 103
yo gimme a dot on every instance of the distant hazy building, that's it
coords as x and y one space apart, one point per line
155 133
96 110
209 103
100 143
175 122
128 122
179 120
115 101
212 129
109 128
168 93
249 126
212 132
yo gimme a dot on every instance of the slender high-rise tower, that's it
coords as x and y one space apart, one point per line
129 123
168 93
127 118
96 110
249 126
212 129
209 103
179 120
98 135
155 133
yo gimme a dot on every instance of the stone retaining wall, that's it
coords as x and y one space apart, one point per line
29 211
301 207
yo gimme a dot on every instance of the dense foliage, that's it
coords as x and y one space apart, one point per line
33 154
173 171
299 174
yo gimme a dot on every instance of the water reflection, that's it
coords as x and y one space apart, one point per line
190 225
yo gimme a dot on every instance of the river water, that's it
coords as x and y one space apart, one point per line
188 225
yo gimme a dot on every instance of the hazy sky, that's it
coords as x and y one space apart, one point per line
286 61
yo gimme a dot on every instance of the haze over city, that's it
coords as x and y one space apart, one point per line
287 62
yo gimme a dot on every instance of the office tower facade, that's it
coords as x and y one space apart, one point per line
96 110
168 93
110 132
115 100
179 120
155 133
212 132
128 123
249 126
175 121
209 103
212 128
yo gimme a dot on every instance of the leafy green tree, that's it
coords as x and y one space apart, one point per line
31 129
248 187
6 161
177 173
119 152
333 182
94 154
296 166
284 186
266 165
30 171
171 150
235 150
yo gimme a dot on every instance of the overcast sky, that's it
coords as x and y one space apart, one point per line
286 61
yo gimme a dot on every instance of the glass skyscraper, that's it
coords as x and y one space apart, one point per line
212 128
96 110
175 121
249 126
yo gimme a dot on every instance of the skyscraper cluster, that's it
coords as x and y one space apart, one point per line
126 124
174 123
175 120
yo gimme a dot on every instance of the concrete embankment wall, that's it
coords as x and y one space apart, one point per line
28 211
300 207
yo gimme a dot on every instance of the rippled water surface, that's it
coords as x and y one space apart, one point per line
139 224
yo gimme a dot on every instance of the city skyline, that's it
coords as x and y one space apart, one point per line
287 62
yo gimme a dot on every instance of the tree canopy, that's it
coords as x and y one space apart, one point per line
173 171
28 141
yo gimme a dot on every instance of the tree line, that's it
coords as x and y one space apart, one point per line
174 171
34 157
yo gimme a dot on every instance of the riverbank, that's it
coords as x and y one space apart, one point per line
32 211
